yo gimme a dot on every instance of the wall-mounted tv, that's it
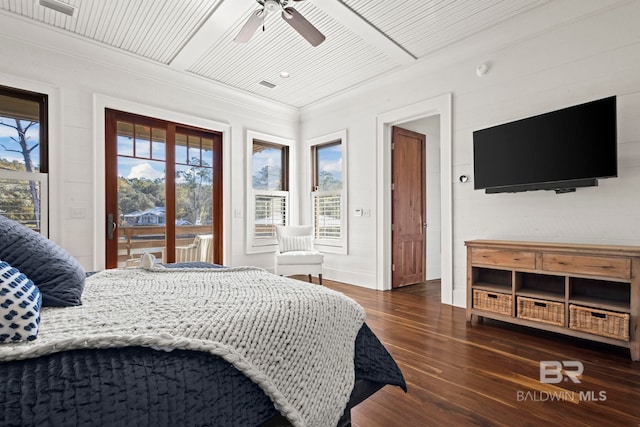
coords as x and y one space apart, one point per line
560 150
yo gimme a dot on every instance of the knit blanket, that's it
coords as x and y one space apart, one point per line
295 340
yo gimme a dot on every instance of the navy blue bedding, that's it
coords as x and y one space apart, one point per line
144 387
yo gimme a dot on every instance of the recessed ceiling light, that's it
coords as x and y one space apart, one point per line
285 74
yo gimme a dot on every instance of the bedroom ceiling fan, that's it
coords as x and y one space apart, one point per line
289 14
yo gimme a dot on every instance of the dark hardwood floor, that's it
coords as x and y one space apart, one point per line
487 374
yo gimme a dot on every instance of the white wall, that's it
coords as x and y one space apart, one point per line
574 61
582 56
78 88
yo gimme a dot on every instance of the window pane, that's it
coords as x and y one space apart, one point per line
270 210
23 148
194 150
194 195
327 215
20 201
329 167
159 142
143 141
141 191
19 134
267 168
207 152
125 139
181 149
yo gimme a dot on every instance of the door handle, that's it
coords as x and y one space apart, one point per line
111 226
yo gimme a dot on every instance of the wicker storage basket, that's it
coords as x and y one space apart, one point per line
493 301
600 322
541 311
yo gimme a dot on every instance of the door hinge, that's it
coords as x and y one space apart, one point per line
393 267
393 186
393 145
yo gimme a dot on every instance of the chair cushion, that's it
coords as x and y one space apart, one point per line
295 243
300 257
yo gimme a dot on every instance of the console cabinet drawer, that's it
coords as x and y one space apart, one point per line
503 258
584 264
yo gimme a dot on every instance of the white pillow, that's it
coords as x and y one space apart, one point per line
20 302
296 243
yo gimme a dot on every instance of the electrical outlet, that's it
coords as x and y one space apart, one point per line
77 212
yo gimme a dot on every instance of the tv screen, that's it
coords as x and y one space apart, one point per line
560 150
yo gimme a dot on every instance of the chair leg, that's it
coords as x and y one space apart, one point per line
310 279
320 279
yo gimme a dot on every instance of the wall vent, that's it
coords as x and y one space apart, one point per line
267 84
58 6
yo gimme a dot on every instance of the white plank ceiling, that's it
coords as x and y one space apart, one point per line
364 38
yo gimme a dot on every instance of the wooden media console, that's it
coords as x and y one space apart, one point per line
586 291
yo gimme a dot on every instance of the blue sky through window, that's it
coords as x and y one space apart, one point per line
330 160
6 143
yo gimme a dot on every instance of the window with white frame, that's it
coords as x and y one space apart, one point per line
269 196
23 158
328 192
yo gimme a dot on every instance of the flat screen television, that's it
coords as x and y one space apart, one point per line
561 150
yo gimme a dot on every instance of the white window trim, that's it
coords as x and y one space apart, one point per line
255 246
332 246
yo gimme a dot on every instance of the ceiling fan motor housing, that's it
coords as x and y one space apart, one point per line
272 5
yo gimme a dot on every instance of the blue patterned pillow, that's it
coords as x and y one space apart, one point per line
56 273
20 302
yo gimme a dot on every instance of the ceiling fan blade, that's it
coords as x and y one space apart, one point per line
302 26
249 28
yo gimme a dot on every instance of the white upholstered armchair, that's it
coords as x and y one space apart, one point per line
296 254
200 250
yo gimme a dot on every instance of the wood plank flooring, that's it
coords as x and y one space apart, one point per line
487 374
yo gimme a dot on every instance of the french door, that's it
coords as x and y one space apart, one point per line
163 191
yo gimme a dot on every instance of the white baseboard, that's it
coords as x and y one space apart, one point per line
350 277
460 298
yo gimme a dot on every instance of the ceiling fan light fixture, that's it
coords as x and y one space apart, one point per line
272 5
58 6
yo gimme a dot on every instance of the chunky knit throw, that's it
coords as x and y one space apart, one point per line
295 340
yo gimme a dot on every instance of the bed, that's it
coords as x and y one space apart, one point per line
191 346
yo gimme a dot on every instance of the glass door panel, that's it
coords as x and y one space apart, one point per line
141 192
194 199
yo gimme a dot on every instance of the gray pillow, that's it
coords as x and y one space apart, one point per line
54 271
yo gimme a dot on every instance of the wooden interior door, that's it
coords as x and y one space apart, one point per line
408 208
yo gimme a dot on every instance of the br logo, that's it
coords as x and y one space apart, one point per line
554 372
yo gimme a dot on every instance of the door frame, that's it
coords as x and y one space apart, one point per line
440 105
100 103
